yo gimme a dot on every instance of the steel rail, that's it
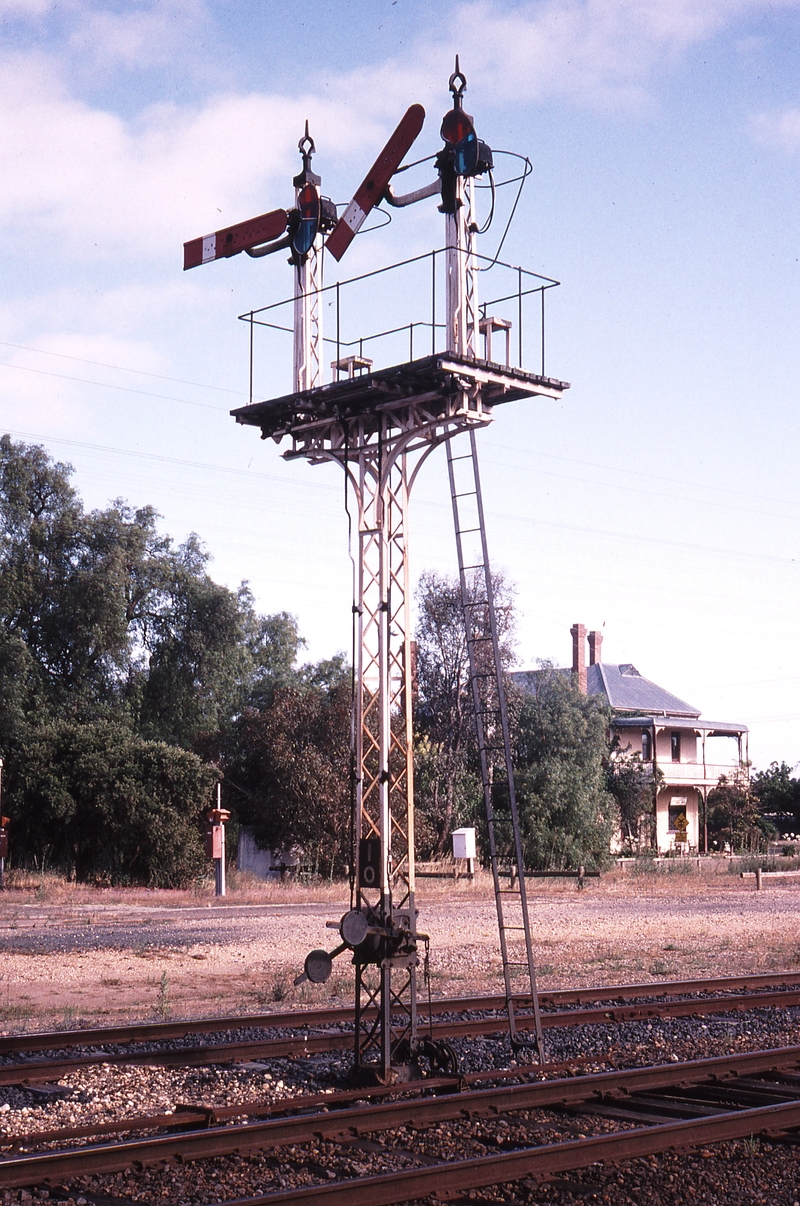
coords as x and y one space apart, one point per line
331 1015
187 1116
16 1171
478 1173
305 1045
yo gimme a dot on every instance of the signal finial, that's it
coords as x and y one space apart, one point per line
306 148
457 85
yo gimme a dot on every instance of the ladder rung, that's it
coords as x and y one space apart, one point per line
466 494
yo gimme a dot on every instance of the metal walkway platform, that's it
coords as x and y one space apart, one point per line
368 395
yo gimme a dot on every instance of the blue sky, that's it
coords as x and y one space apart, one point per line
658 501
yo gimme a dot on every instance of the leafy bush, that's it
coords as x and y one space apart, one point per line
98 802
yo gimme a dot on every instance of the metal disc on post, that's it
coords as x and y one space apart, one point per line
318 966
353 927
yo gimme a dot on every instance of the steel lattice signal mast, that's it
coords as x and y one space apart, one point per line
380 426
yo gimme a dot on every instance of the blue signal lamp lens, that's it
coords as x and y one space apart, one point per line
308 208
466 155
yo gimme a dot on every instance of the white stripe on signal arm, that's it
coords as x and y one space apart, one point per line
353 216
209 248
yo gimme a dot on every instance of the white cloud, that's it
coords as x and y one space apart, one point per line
111 188
24 8
780 129
140 36
596 51
101 186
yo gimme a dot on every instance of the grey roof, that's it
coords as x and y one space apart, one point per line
628 691
625 689
712 728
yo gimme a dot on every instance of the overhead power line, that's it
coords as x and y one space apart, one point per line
122 368
127 389
510 517
656 477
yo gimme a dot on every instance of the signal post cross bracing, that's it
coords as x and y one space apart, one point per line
380 425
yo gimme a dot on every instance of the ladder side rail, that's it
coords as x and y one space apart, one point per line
482 746
382 523
362 990
401 909
503 708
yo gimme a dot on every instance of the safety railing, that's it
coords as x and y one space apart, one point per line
396 314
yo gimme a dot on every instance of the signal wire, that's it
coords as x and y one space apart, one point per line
526 171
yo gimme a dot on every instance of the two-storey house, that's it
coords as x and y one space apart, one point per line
686 753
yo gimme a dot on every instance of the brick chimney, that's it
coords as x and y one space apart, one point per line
595 644
578 633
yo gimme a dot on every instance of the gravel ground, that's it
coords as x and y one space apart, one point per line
97 965
602 935
743 1172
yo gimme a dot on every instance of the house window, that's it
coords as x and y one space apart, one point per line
647 746
678 821
675 739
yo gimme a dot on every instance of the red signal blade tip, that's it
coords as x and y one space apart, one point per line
233 239
372 188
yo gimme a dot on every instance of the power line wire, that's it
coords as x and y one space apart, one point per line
657 477
171 460
127 389
511 517
122 368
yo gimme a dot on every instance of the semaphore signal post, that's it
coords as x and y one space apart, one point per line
381 425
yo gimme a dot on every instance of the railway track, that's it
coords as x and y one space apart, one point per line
663 1106
483 1172
673 999
331 1015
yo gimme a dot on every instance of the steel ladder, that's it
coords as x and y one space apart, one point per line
493 736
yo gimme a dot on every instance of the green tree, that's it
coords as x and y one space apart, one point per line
113 642
100 613
447 781
199 667
567 815
734 817
274 644
632 784
778 796
289 765
95 800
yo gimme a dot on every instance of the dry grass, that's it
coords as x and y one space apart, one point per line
679 876
31 887
178 957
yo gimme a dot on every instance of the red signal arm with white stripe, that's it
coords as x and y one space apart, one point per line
374 185
233 239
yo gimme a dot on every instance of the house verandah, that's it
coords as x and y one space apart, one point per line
687 757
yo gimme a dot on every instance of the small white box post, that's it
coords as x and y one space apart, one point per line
215 841
464 847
